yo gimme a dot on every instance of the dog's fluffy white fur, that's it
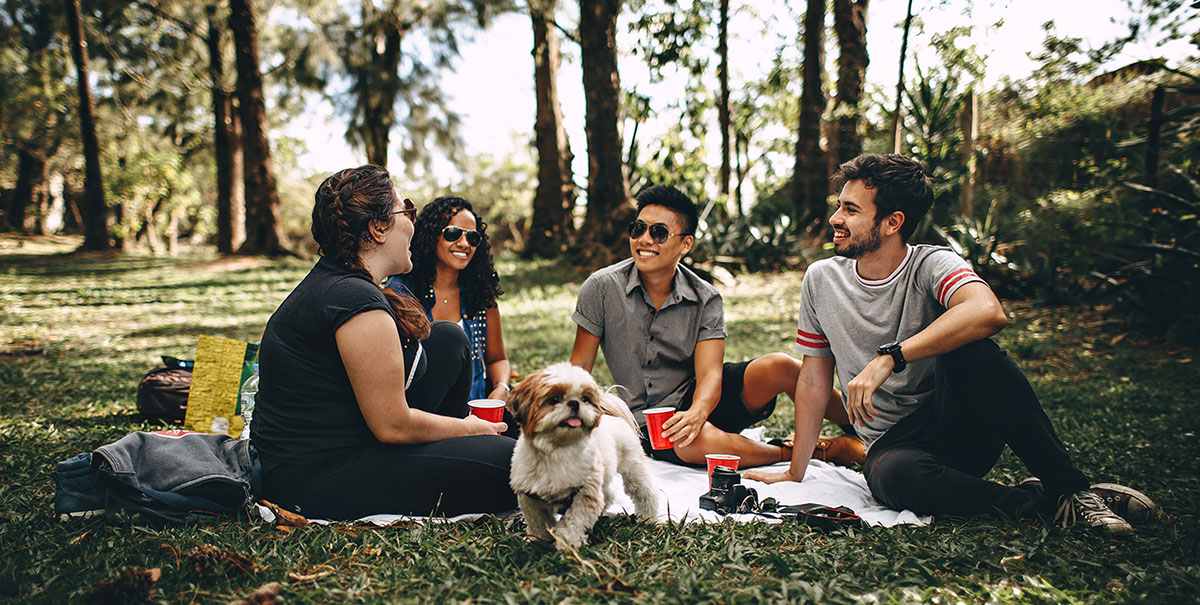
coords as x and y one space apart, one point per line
574 438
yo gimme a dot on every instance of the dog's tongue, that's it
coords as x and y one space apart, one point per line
574 422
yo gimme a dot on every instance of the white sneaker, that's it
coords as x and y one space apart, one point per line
1132 505
1086 508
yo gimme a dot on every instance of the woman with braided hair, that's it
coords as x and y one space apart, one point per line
337 440
455 279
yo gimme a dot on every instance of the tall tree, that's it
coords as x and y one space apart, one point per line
264 234
968 123
35 64
95 210
30 189
896 138
372 57
607 194
227 145
390 87
552 223
723 82
850 23
810 183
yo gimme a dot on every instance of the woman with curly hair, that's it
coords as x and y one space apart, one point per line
336 439
454 278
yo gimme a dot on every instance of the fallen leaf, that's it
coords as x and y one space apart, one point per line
310 577
1012 559
267 594
285 517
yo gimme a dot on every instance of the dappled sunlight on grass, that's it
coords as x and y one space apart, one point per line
77 332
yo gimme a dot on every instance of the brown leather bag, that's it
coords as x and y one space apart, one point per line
163 391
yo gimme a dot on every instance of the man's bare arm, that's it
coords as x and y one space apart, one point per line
974 313
812 397
583 353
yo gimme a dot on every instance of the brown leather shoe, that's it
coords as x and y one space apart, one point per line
843 449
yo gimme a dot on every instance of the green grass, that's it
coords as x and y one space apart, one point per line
78 331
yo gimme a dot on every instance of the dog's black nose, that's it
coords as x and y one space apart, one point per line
574 405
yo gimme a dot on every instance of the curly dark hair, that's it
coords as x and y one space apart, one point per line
345 206
478 283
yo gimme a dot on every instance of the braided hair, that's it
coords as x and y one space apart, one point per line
346 206
479 285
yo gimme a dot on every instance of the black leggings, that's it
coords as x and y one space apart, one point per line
932 461
448 477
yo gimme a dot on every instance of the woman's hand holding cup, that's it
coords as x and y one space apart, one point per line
479 426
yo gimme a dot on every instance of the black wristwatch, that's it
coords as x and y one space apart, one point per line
893 349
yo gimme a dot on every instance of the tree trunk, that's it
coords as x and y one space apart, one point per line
375 75
95 210
379 106
896 138
28 192
608 200
231 212
723 104
969 124
810 184
551 225
740 151
264 234
850 23
1153 131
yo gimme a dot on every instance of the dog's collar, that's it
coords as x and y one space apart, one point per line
564 502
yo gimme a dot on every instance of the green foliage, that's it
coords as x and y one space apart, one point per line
500 189
71 355
154 187
1157 272
38 96
1066 162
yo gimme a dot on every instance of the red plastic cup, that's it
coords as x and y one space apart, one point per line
491 410
715 460
655 417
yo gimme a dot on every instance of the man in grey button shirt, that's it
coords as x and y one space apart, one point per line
662 329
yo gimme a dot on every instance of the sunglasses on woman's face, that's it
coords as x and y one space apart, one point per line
408 208
452 234
659 232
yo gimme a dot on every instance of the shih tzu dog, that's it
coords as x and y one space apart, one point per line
574 438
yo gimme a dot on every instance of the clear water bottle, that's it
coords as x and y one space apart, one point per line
246 401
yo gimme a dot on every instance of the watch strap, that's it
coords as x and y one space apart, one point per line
893 350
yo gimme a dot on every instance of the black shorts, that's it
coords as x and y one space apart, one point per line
730 415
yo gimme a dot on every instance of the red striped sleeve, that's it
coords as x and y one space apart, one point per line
810 340
954 278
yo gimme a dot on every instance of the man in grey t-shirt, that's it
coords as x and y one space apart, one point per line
662 329
908 329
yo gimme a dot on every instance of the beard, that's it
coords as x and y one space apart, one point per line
863 246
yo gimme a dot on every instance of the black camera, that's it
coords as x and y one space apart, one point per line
727 494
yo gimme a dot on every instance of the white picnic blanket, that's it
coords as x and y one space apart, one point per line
680 489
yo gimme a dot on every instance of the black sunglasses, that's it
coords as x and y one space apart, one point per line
659 232
409 209
452 234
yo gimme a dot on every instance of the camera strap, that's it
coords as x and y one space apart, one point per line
820 516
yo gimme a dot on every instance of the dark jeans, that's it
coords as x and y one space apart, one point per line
448 477
932 461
